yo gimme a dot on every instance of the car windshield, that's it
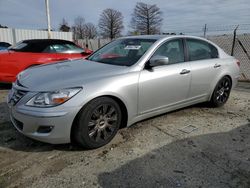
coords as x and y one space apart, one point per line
123 52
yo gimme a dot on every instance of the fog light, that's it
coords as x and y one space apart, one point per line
45 129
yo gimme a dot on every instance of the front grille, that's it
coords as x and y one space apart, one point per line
16 95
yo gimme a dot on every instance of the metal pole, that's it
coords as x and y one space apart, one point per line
48 18
205 30
232 51
14 36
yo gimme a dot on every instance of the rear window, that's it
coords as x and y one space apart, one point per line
29 47
46 47
198 50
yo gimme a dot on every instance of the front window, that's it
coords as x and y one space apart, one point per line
63 48
173 50
123 52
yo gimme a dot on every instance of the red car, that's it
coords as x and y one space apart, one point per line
29 53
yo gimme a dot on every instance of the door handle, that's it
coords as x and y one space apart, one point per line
185 71
217 65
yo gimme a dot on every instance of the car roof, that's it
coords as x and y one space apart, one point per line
48 41
158 37
155 37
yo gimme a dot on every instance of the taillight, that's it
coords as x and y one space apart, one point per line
238 63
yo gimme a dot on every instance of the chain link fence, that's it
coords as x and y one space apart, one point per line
241 50
93 44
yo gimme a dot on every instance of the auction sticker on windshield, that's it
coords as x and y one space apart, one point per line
132 47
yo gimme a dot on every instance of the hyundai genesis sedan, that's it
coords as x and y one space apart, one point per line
130 79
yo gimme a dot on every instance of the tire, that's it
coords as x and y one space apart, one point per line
221 92
97 123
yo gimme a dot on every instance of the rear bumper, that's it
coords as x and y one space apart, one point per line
235 81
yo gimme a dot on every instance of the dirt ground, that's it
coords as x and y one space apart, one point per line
192 147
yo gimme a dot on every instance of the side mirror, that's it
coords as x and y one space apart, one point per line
158 60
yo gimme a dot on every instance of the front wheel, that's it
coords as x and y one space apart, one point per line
221 92
97 123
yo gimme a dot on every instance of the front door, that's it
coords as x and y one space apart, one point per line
166 85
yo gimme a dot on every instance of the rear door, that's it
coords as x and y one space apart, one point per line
205 66
166 85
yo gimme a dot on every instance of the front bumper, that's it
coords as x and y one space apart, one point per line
28 122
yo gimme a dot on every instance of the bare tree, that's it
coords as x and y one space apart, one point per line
146 19
90 31
64 26
111 23
78 27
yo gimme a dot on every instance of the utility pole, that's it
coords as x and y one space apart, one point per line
234 39
205 30
48 18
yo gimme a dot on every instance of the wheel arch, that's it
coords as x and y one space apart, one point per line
214 85
115 98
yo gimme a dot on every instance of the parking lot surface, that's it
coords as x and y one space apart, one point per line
196 146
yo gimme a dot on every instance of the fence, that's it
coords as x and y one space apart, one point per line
13 36
239 47
93 44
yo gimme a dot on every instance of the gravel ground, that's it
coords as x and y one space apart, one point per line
192 147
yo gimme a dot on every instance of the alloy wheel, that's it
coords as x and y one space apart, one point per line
223 90
102 123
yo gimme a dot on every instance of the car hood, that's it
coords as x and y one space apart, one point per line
66 74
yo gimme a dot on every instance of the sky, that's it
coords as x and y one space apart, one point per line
178 15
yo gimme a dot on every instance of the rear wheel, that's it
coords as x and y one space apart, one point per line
97 123
221 92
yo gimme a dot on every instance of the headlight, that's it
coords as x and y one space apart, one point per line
49 99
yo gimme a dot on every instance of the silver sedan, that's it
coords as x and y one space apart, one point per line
126 81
